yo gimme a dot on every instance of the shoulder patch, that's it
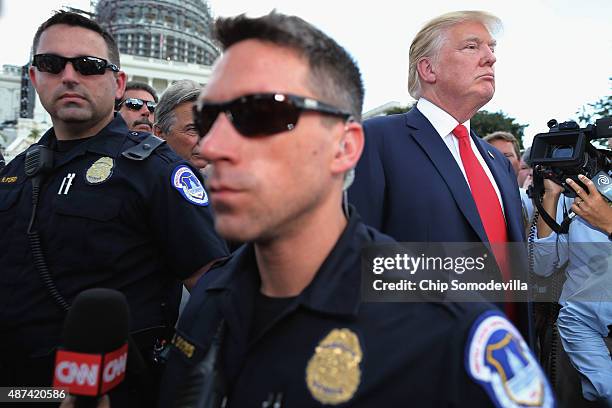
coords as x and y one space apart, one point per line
189 185
499 360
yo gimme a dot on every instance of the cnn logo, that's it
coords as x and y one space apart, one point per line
78 372
114 368
81 373
69 372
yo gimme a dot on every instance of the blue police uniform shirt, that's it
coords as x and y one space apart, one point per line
104 221
326 346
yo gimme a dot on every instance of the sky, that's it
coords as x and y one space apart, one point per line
553 56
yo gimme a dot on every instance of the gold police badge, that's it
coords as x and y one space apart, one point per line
100 171
333 374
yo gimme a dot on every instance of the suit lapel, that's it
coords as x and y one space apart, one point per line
506 190
427 138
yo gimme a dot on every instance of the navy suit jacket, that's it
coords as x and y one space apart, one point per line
409 186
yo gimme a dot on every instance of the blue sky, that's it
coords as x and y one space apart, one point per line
552 57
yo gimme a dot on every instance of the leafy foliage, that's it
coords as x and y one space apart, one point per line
398 109
484 122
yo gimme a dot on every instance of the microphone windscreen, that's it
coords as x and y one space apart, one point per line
97 322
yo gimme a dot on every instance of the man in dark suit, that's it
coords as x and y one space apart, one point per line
424 176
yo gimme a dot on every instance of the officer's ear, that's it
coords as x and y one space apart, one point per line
32 74
121 80
349 148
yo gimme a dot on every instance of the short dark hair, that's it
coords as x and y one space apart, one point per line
141 86
334 76
77 20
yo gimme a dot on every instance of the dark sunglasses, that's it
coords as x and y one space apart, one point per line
137 104
84 65
261 114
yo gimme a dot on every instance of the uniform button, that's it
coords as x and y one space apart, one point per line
134 133
146 146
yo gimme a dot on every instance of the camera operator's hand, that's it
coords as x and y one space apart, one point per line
592 206
552 189
552 192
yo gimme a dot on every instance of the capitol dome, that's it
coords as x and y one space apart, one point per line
171 30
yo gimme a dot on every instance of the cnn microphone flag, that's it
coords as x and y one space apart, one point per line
89 374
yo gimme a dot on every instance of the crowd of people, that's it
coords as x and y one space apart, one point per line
145 195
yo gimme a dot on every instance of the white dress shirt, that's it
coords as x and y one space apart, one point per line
444 124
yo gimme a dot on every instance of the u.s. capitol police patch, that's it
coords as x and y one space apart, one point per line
498 359
189 185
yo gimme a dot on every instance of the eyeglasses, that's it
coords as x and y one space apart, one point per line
84 65
261 114
136 104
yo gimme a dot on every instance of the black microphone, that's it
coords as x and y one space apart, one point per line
93 358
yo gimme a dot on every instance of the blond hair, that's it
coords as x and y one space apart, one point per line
429 40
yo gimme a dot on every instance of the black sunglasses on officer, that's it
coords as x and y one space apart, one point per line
136 104
261 114
84 65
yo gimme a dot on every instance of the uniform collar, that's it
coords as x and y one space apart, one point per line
107 142
335 289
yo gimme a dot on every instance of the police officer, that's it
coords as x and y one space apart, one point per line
282 321
138 106
92 205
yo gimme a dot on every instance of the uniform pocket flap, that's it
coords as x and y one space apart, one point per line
89 205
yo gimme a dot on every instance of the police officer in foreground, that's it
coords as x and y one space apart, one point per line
282 322
92 204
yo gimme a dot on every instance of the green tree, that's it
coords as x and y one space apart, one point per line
398 109
484 122
34 134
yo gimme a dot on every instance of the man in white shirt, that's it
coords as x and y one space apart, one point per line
424 176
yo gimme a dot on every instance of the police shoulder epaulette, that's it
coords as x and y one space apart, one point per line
143 149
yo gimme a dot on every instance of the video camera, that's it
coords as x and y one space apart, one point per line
565 151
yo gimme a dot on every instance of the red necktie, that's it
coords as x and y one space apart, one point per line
488 205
